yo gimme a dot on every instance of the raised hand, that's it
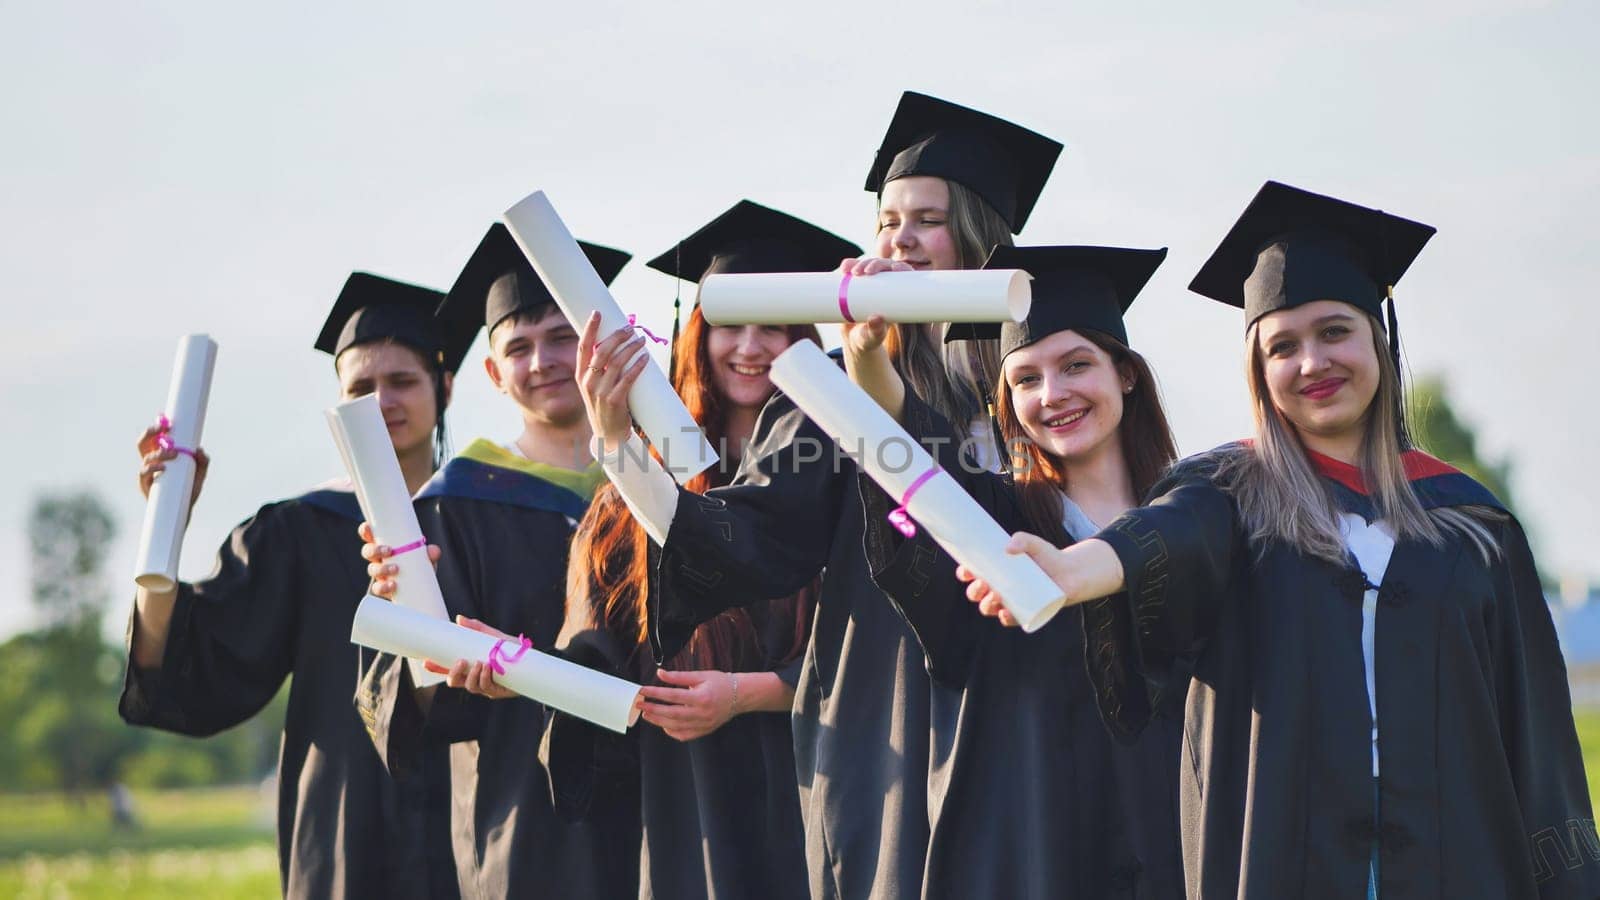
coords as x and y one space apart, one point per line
153 461
607 370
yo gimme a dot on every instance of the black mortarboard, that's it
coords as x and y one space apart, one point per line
754 238
1005 164
373 308
1074 288
1292 247
498 280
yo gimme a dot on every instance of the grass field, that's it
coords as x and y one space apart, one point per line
214 843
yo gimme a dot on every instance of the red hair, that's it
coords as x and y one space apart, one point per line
610 572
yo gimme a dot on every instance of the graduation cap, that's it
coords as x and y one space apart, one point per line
374 308
498 281
1005 164
1074 288
749 238
753 238
1292 247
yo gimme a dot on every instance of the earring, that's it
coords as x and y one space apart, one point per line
1127 387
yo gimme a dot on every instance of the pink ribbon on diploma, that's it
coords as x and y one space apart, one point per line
899 517
844 297
164 440
407 548
498 657
633 323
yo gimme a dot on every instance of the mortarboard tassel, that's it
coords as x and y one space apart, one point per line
677 304
1399 378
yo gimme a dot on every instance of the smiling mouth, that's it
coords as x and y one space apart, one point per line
1071 418
750 371
1322 389
550 384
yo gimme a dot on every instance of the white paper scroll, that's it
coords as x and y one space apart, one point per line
977 295
895 460
596 697
579 291
166 514
368 453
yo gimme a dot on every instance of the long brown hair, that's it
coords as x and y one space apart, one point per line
1281 498
608 578
1143 432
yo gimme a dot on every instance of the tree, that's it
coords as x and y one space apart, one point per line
68 535
1437 429
58 698
66 725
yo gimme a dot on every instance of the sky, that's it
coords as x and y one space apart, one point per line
175 167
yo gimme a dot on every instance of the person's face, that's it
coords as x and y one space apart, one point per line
1321 366
532 361
741 361
1067 394
914 223
402 383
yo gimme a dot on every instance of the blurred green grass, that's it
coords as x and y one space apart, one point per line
205 842
218 842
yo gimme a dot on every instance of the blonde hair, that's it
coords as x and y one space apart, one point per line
955 379
1282 499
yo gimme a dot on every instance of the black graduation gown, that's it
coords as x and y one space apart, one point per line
280 602
721 813
861 717
1482 790
503 525
1038 801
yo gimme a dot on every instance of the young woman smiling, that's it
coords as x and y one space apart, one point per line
718 798
1028 764
948 179
1379 705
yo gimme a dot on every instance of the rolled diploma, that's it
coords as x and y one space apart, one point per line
350 466
596 697
380 486
579 291
978 295
894 459
166 514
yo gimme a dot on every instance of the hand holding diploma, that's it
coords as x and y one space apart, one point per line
1084 571
580 293
177 438
475 676
154 454
379 569
605 700
607 371
928 495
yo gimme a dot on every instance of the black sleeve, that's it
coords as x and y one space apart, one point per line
1179 554
231 641
765 536
588 764
916 573
1534 708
